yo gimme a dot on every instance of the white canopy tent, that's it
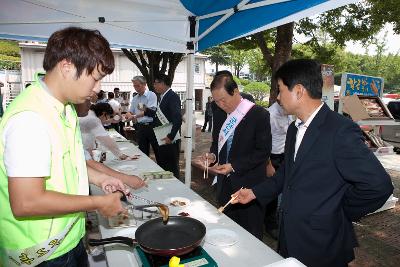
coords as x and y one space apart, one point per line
184 26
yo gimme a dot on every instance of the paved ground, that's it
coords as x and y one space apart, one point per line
378 234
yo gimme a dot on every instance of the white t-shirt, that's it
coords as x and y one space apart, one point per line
27 147
91 128
116 106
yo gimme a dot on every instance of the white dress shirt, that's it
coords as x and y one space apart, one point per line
302 128
279 124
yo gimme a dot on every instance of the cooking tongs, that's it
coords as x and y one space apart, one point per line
131 206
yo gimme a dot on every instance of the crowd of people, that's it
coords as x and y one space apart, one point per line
311 173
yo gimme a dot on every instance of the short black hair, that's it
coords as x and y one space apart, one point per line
101 108
110 95
86 49
100 95
163 78
306 72
224 72
224 81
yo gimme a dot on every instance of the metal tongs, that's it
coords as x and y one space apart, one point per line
131 206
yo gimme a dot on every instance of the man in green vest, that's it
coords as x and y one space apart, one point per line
43 175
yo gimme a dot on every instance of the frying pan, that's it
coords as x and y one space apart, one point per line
179 236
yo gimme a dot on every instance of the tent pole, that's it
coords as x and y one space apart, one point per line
189 101
189 118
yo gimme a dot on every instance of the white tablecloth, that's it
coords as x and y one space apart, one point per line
248 251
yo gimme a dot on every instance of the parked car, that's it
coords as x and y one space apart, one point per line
391 134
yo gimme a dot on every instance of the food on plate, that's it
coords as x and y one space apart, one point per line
177 203
373 107
185 214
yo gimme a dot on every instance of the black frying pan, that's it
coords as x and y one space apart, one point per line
179 236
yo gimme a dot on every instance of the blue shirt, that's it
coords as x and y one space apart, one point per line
149 99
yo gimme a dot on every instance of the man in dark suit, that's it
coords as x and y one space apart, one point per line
329 177
170 107
219 115
241 161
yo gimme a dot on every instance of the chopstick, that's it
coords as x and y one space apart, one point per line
221 209
205 172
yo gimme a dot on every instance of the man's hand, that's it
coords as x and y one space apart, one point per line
270 169
208 156
244 196
224 169
111 185
110 205
135 182
130 117
166 140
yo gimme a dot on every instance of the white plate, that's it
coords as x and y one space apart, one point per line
126 167
169 200
221 237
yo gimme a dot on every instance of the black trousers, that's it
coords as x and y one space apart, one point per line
145 138
207 119
271 220
168 157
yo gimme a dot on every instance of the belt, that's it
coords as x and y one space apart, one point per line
144 123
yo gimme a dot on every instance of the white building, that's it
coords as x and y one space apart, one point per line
32 58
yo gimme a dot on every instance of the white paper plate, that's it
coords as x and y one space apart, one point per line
126 167
180 200
221 237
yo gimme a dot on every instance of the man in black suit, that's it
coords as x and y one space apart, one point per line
329 177
219 115
241 159
169 111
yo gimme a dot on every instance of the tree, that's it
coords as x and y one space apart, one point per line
258 90
237 59
152 63
217 55
10 58
358 22
257 65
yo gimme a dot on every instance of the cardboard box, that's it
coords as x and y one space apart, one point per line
353 105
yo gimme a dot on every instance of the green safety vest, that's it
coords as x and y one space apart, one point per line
68 175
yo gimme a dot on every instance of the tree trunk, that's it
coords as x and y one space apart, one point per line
283 51
216 67
152 63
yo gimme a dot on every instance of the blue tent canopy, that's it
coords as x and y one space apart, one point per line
184 26
155 24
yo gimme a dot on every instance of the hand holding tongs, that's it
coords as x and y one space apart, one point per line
138 207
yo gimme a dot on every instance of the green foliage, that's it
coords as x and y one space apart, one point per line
237 58
258 90
9 48
237 80
263 104
10 58
244 82
258 66
217 55
9 62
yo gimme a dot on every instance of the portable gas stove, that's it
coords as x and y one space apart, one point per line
196 258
